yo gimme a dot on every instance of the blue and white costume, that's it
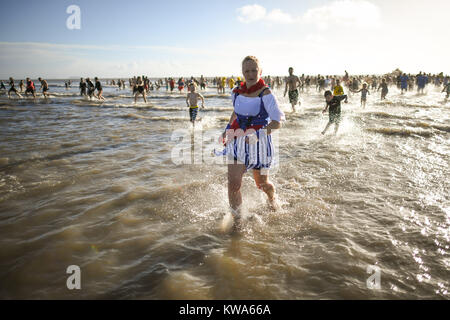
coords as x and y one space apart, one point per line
252 111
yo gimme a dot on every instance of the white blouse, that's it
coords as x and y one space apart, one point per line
249 106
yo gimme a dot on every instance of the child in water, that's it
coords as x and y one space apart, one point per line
337 89
447 89
334 104
192 102
364 92
384 89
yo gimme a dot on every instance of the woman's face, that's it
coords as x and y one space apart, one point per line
251 72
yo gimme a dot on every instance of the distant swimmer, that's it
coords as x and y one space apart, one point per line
12 88
374 83
181 84
422 80
90 87
202 83
238 82
404 82
223 83
140 90
219 85
364 92
384 89
248 137
447 89
346 76
231 82
192 102
268 81
30 88
44 87
333 104
338 90
292 84
83 87
98 87
2 86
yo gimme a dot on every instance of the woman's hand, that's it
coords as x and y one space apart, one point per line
223 138
272 126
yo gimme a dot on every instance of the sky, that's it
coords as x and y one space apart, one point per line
191 38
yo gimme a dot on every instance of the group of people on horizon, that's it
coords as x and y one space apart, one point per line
294 85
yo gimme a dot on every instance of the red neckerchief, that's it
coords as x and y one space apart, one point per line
243 89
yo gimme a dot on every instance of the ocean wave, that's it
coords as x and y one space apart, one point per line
425 125
442 128
402 132
153 118
167 108
170 118
108 104
405 104
386 115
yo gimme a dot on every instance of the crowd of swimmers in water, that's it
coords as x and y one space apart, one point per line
142 85
332 87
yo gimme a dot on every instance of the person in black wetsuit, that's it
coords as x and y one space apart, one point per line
98 87
2 86
334 106
91 88
140 89
83 87
12 88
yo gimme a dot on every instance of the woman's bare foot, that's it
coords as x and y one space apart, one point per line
237 220
274 204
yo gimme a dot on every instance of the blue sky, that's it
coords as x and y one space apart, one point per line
160 38
128 22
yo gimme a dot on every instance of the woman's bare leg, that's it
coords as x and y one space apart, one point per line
263 183
235 173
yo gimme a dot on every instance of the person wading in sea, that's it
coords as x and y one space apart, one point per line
248 136
292 83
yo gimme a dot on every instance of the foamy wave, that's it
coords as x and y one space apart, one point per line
387 115
405 104
153 118
400 132
425 125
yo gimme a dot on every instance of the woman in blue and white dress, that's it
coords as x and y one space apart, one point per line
248 135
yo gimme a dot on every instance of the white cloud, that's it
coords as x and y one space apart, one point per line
251 13
358 13
255 12
278 16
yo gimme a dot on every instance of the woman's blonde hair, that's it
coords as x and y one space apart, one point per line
251 58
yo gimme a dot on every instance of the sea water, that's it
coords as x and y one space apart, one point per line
98 185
